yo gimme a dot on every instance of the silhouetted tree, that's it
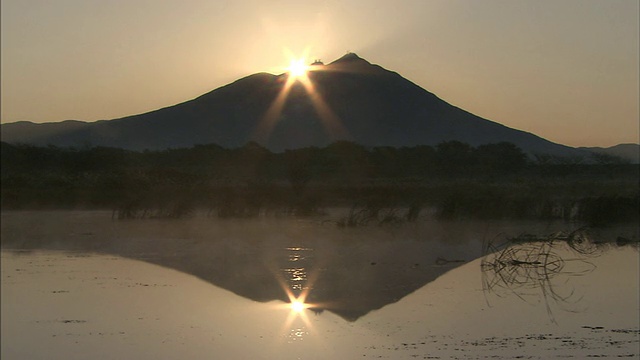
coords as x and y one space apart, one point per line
419 160
500 158
299 167
348 160
455 158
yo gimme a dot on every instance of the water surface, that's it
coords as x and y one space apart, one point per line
79 285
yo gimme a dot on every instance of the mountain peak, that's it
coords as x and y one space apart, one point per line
352 63
350 57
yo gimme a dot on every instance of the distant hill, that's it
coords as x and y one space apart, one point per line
350 99
629 152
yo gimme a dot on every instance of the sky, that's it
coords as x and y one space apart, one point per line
564 70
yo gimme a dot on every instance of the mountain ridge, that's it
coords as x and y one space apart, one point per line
626 151
351 99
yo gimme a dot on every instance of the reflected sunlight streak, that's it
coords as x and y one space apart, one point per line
297 306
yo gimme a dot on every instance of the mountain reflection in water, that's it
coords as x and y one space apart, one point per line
349 272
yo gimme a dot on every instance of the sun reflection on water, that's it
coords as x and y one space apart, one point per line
297 334
298 306
297 282
296 274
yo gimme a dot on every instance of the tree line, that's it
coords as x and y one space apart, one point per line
241 181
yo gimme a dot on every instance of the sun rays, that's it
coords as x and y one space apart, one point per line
299 73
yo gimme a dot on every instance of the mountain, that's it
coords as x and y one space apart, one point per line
348 99
626 152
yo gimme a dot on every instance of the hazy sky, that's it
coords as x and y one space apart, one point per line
565 70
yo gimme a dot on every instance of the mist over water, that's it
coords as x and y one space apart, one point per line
79 283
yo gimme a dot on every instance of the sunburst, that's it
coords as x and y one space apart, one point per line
298 72
298 306
297 68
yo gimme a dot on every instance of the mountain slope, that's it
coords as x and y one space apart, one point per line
628 152
351 99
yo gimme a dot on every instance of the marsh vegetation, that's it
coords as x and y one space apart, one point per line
541 268
381 185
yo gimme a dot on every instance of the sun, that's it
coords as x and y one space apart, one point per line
297 68
297 306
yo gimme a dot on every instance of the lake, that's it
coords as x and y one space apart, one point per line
78 285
